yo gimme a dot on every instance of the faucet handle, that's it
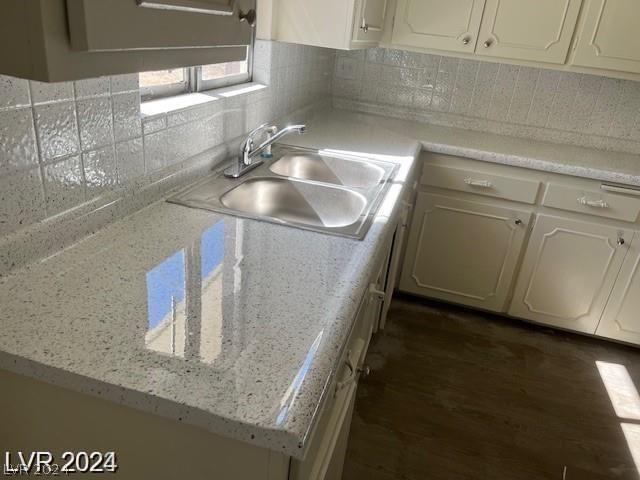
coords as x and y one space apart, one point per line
299 128
261 128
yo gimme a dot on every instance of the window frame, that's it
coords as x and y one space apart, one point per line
170 89
195 83
202 85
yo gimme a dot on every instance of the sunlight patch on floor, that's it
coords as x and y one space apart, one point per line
626 403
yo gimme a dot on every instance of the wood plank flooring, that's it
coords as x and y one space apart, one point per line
459 395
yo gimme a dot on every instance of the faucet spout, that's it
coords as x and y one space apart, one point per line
247 152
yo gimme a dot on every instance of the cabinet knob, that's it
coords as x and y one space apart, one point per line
466 40
365 370
620 241
518 221
249 17
364 27
487 44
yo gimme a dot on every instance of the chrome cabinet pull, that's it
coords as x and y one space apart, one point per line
518 222
620 241
189 6
364 27
466 40
487 44
478 183
379 294
352 374
592 203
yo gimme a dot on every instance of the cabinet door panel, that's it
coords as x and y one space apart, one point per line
568 272
91 24
609 38
370 16
441 24
463 252
522 29
621 319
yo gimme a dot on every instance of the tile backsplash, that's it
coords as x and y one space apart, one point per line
64 145
536 103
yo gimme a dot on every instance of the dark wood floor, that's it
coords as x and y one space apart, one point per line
455 394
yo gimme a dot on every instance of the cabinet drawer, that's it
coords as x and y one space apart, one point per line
481 183
592 202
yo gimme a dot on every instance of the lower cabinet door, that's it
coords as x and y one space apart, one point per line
621 318
568 272
463 251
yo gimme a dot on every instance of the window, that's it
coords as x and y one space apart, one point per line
163 83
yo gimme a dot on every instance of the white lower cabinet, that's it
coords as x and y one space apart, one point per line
568 272
621 318
463 251
328 445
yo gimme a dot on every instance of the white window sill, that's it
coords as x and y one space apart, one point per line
163 106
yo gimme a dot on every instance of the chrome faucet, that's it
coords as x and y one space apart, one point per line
246 157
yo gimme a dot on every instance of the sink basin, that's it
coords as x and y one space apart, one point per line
327 169
301 188
296 202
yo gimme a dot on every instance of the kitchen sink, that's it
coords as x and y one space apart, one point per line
328 169
299 188
296 202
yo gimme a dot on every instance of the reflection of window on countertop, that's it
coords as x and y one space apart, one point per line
211 255
185 313
166 306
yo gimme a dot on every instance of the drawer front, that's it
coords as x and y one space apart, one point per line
592 202
481 183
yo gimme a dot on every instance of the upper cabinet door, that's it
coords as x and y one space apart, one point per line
439 24
609 38
568 272
157 24
369 20
621 319
539 30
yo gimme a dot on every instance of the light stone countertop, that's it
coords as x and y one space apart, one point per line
615 167
269 310
274 304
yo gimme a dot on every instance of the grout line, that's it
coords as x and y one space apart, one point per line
533 96
493 90
41 159
553 101
455 84
81 152
513 94
619 96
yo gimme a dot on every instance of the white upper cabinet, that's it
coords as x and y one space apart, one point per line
369 20
438 24
56 40
621 319
341 24
519 29
568 272
539 30
609 36
153 24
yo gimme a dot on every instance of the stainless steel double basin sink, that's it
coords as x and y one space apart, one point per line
331 193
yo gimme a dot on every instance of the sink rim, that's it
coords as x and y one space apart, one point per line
215 185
